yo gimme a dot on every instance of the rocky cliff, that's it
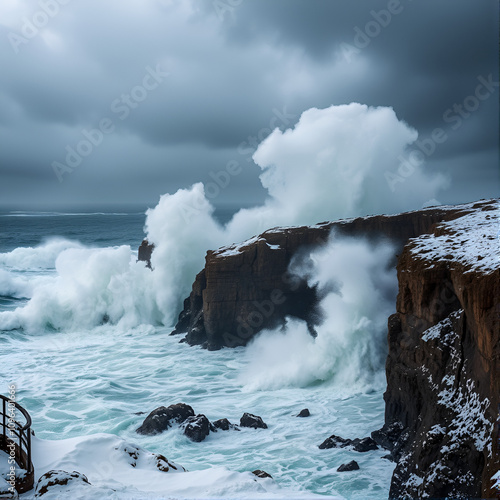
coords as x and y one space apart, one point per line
443 367
247 287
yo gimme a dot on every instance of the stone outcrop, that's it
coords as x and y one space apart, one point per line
197 428
253 421
352 465
224 424
262 474
144 253
361 445
443 366
304 413
161 418
246 288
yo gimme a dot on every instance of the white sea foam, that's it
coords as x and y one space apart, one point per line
41 257
359 289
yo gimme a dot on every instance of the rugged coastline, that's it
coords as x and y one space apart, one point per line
443 367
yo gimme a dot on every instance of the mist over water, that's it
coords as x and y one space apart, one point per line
359 287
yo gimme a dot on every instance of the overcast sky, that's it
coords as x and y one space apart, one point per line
184 89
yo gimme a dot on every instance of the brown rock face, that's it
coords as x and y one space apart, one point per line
443 366
247 288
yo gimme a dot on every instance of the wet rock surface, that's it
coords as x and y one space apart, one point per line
360 445
197 428
253 421
262 474
161 418
352 465
304 413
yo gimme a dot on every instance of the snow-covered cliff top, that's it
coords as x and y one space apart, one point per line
472 240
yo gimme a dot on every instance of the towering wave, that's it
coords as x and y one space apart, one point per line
330 165
358 287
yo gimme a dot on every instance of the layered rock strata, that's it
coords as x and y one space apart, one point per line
443 366
246 288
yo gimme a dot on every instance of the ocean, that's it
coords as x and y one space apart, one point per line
77 375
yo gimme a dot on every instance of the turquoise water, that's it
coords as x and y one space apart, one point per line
82 381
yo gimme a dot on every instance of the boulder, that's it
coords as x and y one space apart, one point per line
54 478
261 473
224 425
160 419
352 465
364 445
361 445
253 421
144 253
304 413
334 442
197 428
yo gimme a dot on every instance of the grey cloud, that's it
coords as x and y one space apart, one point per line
226 78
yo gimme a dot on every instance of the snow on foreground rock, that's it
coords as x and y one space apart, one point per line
116 469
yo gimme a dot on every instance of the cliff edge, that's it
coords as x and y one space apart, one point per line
443 366
246 288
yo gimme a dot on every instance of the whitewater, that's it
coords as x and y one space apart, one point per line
85 328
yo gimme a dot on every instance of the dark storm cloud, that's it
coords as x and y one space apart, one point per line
232 71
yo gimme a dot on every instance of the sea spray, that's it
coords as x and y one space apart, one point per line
330 165
358 287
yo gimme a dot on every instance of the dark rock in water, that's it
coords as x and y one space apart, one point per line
58 478
360 445
304 413
197 428
145 252
224 425
334 442
364 445
352 465
160 419
253 421
261 473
